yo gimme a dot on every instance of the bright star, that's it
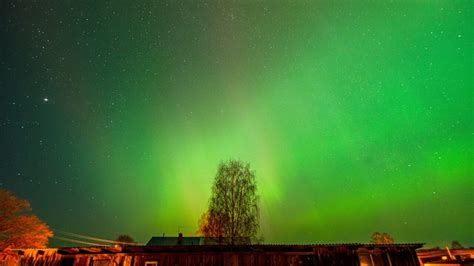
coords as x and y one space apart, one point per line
45 100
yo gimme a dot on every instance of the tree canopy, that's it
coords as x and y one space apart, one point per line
124 239
233 212
19 228
381 238
455 244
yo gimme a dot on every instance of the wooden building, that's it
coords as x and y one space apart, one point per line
216 255
445 257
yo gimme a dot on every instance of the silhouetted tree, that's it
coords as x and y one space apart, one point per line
19 228
124 239
233 213
456 245
381 238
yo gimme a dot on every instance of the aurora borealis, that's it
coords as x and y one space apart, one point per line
356 116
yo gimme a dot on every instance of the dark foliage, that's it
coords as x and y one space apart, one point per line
124 240
233 213
456 245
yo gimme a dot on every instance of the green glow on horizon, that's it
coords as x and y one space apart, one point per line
354 123
356 117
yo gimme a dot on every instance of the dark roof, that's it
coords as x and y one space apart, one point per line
174 241
192 241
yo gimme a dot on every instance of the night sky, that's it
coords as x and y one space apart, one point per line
356 116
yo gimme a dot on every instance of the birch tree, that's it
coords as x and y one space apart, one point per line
233 213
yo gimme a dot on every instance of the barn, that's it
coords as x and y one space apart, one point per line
217 255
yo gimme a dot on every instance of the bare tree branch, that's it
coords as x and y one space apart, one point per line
233 214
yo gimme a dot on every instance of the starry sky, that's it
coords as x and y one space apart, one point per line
356 116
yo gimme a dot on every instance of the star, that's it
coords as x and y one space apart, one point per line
45 100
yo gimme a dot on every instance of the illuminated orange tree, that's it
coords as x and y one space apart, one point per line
19 228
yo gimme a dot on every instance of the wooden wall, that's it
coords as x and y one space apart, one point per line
349 257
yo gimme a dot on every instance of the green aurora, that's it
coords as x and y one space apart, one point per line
356 116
